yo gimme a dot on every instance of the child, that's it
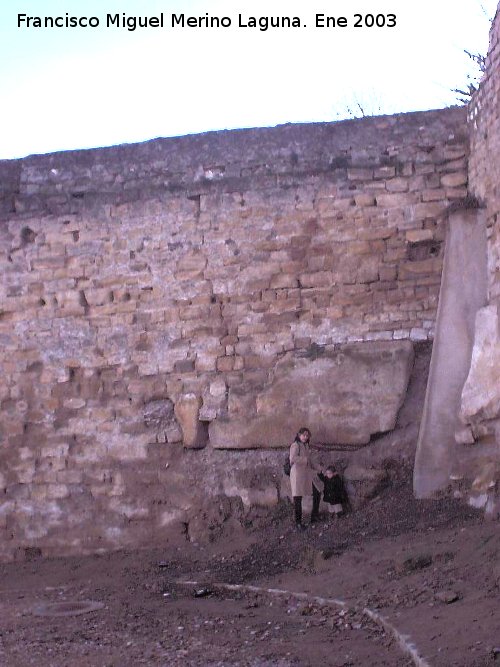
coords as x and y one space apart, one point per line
334 493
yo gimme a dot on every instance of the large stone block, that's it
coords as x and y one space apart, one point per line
481 392
455 179
187 411
343 396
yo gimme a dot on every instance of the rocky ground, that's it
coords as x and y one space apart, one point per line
431 568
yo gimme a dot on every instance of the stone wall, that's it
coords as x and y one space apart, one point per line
478 431
168 302
484 164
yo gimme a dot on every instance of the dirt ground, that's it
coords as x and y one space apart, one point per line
431 568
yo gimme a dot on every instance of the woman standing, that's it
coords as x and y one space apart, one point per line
303 475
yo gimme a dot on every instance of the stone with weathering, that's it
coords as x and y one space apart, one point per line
344 396
187 411
481 392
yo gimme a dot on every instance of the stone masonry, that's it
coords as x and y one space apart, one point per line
154 293
478 431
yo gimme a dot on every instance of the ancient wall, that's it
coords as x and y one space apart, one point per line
478 427
172 311
484 164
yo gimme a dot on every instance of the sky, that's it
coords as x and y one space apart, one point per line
67 88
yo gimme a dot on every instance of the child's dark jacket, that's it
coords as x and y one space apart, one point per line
334 490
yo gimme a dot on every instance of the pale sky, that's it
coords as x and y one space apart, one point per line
66 88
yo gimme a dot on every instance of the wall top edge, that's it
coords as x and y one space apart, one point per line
220 142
